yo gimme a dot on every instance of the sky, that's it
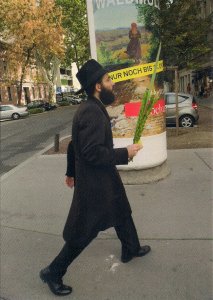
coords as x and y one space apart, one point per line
114 17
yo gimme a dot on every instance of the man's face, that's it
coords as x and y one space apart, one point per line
107 82
106 94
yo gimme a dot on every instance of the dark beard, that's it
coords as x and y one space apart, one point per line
107 97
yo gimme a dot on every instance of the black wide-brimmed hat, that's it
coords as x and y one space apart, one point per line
89 74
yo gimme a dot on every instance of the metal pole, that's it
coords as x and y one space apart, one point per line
176 100
56 142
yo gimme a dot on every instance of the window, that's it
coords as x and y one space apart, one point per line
171 99
62 71
9 93
45 92
5 66
39 92
4 108
33 91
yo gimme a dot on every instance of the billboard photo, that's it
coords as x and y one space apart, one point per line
120 41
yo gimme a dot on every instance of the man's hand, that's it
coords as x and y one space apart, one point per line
69 181
133 150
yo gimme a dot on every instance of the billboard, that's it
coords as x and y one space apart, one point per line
120 41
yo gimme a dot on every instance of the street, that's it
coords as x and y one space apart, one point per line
22 138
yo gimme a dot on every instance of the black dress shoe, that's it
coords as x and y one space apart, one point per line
126 257
55 285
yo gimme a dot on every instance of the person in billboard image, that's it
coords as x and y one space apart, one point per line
99 201
134 46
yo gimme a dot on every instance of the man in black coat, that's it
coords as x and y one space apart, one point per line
99 200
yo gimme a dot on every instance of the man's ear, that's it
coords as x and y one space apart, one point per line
98 87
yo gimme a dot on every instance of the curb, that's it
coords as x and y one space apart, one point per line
21 165
129 177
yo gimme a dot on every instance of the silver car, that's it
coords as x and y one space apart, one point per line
9 111
187 106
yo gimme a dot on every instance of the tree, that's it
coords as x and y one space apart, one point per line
32 30
180 28
75 24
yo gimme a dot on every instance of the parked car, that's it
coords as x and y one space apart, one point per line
74 99
187 106
36 104
9 111
41 104
59 97
49 106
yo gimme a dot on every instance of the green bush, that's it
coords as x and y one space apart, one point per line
63 103
35 110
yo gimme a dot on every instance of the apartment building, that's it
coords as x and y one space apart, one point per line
64 80
34 88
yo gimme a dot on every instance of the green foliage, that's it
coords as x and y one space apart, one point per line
75 23
148 101
111 51
180 28
64 81
33 36
34 111
104 54
63 103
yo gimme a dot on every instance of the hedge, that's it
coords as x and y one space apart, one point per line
63 103
35 110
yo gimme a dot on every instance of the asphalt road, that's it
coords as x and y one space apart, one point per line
22 138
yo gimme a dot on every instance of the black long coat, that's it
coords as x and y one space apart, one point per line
99 200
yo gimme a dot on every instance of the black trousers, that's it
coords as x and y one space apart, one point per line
126 232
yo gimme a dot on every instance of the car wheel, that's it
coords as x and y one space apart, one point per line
187 121
15 116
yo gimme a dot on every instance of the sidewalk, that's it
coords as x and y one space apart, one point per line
206 102
173 216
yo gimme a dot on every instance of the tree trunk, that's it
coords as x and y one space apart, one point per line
51 97
19 88
23 75
49 71
76 57
48 79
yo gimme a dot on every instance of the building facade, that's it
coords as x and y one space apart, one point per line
33 86
199 82
64 81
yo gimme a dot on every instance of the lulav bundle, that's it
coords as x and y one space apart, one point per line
148 101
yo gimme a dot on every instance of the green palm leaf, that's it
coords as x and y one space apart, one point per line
147 103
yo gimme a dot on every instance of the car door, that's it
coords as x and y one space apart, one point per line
1 113
170 108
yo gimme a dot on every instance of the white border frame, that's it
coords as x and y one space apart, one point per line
90 14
